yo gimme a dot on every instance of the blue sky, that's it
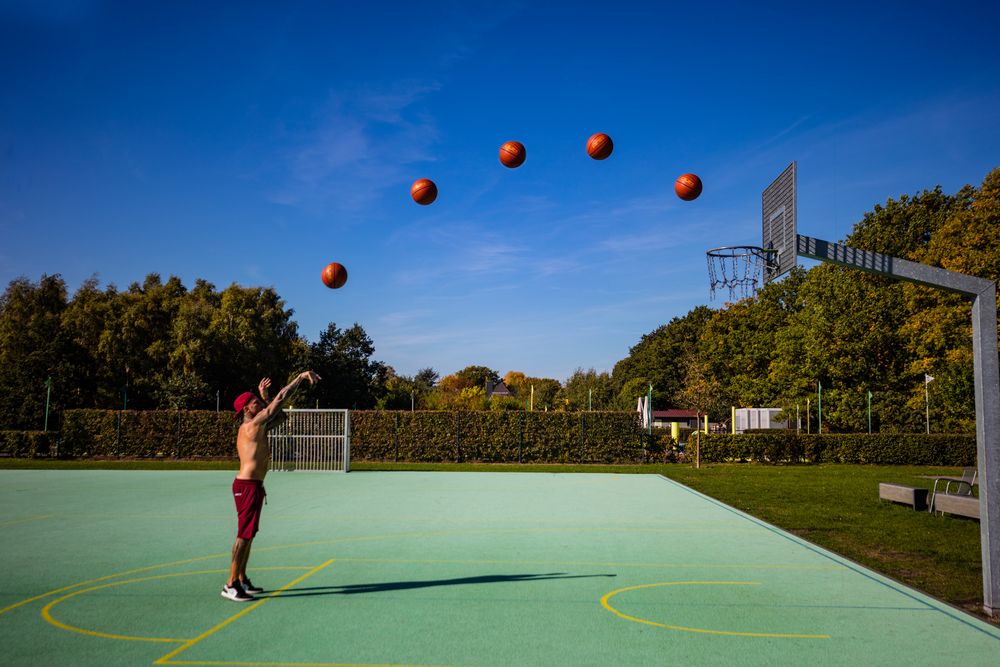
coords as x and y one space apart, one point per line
254 143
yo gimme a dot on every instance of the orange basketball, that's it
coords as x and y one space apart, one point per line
512 154
688 187
599 146
424 191
334 275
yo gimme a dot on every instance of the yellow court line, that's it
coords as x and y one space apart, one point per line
47 610
14 522
191 642
606 605
110 576
293 664
341 540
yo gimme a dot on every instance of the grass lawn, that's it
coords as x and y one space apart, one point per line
834 506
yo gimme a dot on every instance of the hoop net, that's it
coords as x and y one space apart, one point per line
738 268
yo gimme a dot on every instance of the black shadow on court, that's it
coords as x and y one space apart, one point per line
355 589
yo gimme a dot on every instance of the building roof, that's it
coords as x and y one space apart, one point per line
499 389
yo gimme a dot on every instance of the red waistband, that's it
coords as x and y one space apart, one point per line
255 482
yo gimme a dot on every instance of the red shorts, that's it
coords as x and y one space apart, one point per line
249 496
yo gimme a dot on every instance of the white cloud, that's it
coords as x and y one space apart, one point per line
359 145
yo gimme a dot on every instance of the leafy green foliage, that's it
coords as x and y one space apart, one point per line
147 433
587 390
350 378
789 447
654 359
27 443
33 347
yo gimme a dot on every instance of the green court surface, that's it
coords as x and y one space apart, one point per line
412 568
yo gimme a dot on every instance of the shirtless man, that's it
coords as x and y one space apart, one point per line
248 487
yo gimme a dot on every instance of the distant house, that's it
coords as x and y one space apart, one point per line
666 418
498 389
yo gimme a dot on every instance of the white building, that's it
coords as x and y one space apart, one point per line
745 419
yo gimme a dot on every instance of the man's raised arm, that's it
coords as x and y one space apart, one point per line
274 407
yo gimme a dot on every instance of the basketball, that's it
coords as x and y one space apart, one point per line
599 146
424 191
688 187
334 275
512 154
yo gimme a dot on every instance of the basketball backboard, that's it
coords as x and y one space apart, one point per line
779 223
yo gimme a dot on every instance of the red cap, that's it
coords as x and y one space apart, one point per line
241 401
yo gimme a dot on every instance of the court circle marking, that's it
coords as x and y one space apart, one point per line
607 605
47 610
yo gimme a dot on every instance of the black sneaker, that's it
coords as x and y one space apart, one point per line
236 593
249 587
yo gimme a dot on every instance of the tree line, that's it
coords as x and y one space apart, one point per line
864 339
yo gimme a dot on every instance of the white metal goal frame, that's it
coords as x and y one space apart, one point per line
311 440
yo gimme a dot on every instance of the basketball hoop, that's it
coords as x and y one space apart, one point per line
739 268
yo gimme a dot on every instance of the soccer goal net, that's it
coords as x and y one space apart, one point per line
312 440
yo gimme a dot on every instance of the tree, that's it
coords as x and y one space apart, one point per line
32 349
656 357
588 389
343 359
478 376
399 393
738 345
938 331
253 335
426 378
700 390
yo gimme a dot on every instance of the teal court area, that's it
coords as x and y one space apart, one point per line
410 568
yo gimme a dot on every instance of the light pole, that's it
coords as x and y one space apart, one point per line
869 413
819 409
48 395
927 401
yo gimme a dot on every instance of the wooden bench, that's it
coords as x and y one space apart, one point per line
950 503
908 495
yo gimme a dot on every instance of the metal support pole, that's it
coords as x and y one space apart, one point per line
649 409
927 405
987 378
48 396
819 409
985 369
869 413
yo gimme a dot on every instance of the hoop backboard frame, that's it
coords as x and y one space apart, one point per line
779 223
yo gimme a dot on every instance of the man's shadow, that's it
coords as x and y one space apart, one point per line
355 589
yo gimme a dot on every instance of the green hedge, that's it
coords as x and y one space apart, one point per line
27 444
487 436
497 437
426 436
148 433
878 448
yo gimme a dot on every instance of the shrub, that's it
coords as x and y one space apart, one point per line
27 443
148 433
880 448
427 436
